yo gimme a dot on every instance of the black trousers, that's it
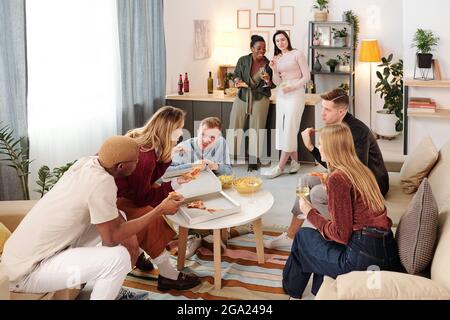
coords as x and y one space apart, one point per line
311 254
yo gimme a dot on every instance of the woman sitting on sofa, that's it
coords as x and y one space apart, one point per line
358 236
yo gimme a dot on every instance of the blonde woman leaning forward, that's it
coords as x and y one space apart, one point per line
357 236
139 193
290 74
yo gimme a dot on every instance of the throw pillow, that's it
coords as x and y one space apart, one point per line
417 230
418 164
4 235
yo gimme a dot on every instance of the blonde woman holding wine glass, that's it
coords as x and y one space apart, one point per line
290 74
357 236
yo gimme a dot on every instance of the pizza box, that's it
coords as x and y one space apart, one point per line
207 188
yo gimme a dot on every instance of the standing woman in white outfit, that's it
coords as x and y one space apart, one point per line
290 74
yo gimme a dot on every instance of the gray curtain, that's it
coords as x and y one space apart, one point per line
13 89
143 60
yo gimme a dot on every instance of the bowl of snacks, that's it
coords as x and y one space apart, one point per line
247 184
226 181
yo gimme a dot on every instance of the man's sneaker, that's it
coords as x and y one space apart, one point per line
208 243
274 172
295 166
193 243
126 294
281 241
143 263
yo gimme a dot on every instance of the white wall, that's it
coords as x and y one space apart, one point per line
380 19
433 14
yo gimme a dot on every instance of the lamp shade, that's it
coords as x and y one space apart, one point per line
369 51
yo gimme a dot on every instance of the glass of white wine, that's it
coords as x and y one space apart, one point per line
302 191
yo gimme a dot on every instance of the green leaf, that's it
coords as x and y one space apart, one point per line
379 75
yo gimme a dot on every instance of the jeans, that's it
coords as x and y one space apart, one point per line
312 254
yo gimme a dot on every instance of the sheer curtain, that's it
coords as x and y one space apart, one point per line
73 79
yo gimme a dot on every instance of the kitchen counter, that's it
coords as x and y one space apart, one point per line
219 96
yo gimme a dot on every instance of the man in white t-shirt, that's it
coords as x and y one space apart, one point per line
73 234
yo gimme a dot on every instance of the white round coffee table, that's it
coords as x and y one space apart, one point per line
253 206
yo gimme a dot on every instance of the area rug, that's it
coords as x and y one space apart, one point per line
242 276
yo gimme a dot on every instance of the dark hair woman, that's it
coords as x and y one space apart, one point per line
290 74
253 77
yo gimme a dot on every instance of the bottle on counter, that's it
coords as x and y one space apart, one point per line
186 83
180 85
210 84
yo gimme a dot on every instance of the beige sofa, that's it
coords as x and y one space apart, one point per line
393 285
11 213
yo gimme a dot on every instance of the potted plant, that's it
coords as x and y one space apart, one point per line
322 10
316 38
424 41
317 65
351 18
389 121
344 86
332 63
344 62
339 37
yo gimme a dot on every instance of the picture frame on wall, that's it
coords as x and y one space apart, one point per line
265 20
266 5
325 35
265 35
202 39
286 15
244 19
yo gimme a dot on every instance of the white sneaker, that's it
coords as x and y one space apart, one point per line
274 172
281 241
193 243
295 166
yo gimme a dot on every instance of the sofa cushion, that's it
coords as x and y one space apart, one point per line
359 285
396 200
417 231
439 177
441 260
4 235
418 164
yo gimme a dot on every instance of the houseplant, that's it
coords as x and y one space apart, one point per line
344 62
344 86
316 36
424 41
322 10
350 17
389 121
339 37
317 65
332 63
15 155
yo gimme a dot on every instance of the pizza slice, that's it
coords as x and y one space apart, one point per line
193 174
198 204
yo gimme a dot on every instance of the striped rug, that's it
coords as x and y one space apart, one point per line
242 276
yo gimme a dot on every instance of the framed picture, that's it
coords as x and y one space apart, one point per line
286 15
265 35
202 39
266 5
265 20
243 19
325 35
288 32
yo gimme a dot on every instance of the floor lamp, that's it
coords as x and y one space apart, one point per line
369 52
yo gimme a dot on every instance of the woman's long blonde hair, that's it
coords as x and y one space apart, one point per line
157 132
339 148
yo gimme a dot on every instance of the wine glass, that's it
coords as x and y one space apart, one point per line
302 191
265 75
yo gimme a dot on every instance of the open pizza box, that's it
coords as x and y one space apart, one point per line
207 188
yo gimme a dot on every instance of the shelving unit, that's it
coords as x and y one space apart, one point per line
441 113
349 48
